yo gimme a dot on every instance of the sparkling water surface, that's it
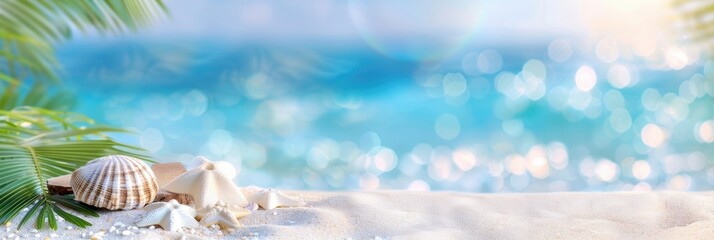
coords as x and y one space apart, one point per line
538 117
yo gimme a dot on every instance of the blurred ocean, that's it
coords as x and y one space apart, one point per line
534 117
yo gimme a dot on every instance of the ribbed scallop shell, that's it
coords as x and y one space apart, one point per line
115 182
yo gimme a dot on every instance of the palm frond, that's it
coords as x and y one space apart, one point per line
697 21
29 28
37 142
35 145
39 95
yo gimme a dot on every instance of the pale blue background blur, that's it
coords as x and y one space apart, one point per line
487 96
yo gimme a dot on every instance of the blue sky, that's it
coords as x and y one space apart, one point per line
348 20
419 27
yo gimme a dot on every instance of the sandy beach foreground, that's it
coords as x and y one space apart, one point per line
437 215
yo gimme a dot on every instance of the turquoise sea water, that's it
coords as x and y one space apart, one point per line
344 116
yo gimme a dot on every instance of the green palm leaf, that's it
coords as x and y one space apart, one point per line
32 153
38 95
37 142
698 20
29 28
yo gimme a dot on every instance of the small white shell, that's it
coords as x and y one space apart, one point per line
271 198
115 182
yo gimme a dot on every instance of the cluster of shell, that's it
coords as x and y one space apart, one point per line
217 199
122 182
115 182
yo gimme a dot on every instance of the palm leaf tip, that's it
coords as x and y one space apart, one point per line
29 28
696 21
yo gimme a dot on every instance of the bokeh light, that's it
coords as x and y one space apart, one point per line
151 139
641 170
705 131
405 105
447 126
653 136
607 50
464 159
489 61
676 58
560 50
619 76
606 170
585 78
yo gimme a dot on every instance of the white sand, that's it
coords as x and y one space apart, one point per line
447 215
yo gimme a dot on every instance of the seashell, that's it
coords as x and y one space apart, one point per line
271 198
224 215
115 182
224 167
171 216
237 210
207 185
252 207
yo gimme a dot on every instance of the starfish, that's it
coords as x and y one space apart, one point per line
171 216
207 185
224 167
270 198
239 211
224 215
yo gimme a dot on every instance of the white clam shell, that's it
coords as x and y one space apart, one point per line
115 182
